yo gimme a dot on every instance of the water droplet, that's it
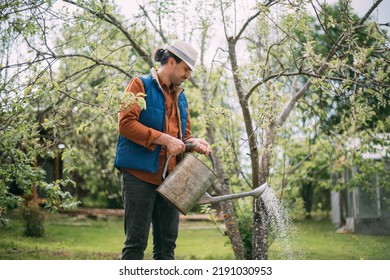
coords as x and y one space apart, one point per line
283 230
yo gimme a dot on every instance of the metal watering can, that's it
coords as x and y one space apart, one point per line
187 185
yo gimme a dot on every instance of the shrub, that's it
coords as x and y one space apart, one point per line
33 218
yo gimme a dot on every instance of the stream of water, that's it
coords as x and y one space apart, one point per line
283 231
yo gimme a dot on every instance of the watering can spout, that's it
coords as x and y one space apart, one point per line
207 198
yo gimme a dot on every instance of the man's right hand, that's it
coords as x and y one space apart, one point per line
174 145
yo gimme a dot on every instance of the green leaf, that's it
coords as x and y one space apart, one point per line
27 91
141 102
56 85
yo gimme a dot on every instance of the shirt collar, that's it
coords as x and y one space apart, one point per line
173 89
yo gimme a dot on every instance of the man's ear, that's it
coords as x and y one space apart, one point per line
171 61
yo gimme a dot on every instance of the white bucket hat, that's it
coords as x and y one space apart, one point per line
184 51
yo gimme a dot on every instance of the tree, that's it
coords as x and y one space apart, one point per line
55 87
297 75
21 139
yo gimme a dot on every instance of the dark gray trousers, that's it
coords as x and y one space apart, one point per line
144 206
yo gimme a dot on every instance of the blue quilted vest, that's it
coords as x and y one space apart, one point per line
133 156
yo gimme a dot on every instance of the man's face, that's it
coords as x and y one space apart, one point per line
180 73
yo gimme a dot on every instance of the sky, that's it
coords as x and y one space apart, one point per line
381 14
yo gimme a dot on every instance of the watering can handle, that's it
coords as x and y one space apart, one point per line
189 148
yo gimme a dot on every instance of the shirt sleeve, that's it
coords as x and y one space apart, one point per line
128 120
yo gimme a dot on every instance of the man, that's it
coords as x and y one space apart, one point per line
146 139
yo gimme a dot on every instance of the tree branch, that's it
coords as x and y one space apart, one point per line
96 61
339 43
245 26
158 30
113 21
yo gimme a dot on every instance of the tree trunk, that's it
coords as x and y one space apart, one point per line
260 231
250 132
222 186
260 215
233 230
229 217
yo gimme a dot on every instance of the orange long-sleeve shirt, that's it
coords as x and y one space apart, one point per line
132 129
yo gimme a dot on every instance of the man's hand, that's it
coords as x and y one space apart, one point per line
174 146
201 145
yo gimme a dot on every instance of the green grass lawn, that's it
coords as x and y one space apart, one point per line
66 238
318 241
